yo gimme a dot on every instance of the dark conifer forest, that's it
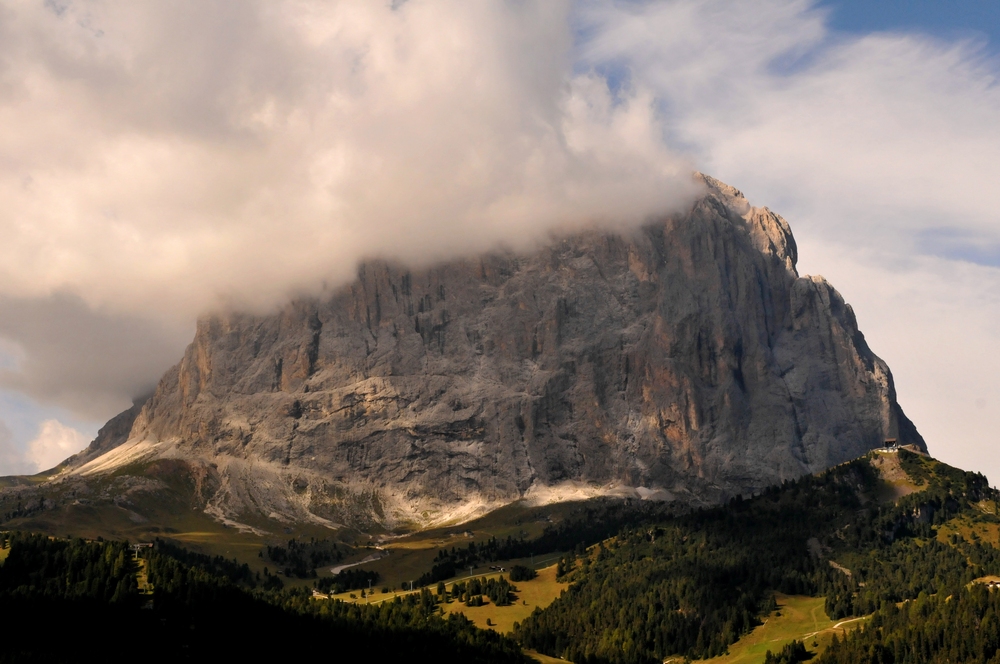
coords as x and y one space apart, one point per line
933 629
86 594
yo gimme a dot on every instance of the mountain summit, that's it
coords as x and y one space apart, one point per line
687 360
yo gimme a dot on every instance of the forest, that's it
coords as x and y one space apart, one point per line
348 579
301 558
692 584
498 590
932 629
202 610
664 583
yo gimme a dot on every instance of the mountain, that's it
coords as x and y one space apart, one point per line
685 361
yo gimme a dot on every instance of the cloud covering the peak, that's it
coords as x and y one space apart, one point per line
169 157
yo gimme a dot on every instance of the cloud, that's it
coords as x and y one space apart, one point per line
897 127
169 157
54 443
20 421
87 360
165 158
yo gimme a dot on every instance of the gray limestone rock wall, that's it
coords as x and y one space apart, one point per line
687 357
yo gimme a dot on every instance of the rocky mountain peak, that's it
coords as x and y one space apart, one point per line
686 360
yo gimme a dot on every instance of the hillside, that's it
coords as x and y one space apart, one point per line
190 608
692 585
868 552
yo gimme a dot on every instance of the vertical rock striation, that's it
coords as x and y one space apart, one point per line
687 358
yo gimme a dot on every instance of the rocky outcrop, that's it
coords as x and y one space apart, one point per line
686 360
111 435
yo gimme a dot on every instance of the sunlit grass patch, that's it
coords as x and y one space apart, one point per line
797 618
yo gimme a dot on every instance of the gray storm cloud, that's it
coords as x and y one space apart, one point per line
11 460
83 359
160 159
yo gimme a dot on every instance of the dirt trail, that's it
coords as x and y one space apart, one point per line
369 559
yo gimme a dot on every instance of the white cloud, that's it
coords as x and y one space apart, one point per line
164 158
54 443
168 157
20 422
894 125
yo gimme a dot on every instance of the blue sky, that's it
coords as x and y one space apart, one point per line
954 19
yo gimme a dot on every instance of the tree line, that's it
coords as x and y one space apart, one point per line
300 559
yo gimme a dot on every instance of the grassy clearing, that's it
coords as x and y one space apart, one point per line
142 577
402 565
191 528
4 552
970 528
896 483
987 579
27 480
544 659
537 593
801 618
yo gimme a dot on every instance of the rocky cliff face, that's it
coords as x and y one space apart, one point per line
687 360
